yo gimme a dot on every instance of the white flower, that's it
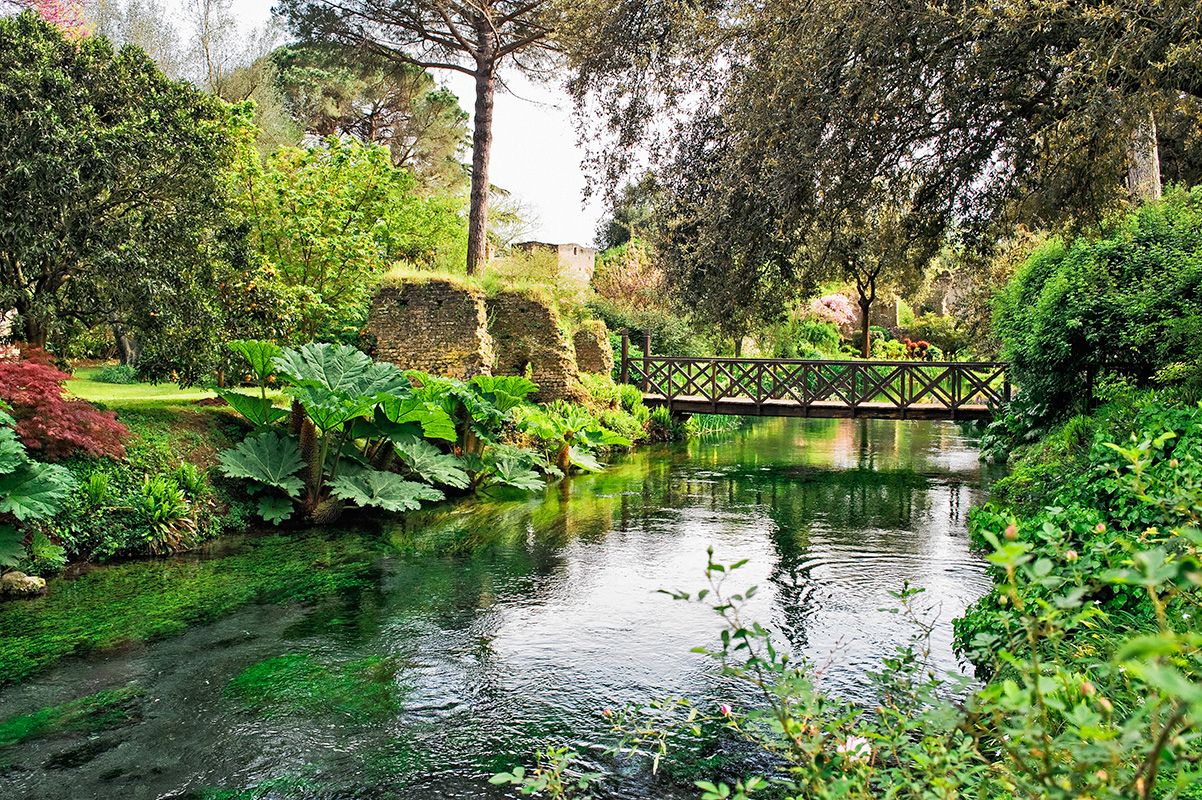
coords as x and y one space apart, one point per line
856 748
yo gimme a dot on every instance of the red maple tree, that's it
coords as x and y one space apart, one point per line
49 423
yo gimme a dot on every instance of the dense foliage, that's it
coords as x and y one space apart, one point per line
331 219
110 182
331 90
1128 302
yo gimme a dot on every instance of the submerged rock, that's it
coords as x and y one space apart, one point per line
18 584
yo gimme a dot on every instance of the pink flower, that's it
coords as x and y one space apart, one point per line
725 709
1101 527
856 748
1011 531
1071 555
605 712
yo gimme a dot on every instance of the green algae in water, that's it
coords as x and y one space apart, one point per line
300 684
142 601
89 714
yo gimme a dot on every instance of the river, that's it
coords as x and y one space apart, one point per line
492 628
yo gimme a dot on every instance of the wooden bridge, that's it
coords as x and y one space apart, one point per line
773 387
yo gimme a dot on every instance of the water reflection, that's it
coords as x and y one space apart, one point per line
518 619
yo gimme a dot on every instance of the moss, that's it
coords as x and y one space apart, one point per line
143 601
300 684
89 714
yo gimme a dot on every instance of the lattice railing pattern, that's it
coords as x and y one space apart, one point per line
951 384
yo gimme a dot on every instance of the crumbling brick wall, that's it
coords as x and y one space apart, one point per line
525 332
594 353
434 326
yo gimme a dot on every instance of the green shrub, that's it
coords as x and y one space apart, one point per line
170 525
942 332
631 396
118 373
1125 301
189 478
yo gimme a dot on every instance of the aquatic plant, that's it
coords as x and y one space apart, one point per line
298 683
89 714
142 601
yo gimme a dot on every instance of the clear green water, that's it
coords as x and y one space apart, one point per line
486 630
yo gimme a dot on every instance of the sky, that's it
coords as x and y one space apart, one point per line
534 154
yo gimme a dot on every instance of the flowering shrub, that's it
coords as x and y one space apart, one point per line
916 351
50 424
834 308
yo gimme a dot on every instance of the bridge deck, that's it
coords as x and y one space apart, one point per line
746 407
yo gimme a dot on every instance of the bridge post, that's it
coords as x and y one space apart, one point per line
647 360
625 356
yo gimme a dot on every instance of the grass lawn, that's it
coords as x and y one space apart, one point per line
166 418
131 395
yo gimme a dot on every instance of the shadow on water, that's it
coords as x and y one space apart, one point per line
491 628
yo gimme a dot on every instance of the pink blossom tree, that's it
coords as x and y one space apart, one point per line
834 308
69 16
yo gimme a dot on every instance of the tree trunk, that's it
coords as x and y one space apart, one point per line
486 75
865 334
1143 161
738 347
128 347
36 331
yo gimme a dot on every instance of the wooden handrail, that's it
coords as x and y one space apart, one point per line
951 385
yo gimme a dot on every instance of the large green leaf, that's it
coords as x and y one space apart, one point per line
598 436
329 409
35 490
456 398
584 459
12 547
275 509
258 410
269 459
339 368
385 490
516 472
12 452
431 463
259 354
381 378
434 421
505 391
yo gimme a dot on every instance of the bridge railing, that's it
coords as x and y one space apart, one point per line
947 384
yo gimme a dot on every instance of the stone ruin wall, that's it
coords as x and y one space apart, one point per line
436 327
527 332
594 353
453 331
